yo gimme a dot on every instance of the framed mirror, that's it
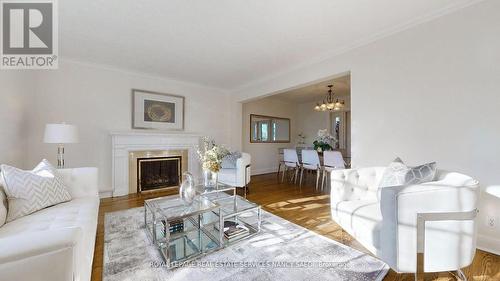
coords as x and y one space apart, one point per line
269 129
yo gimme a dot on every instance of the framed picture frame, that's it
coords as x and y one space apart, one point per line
152 110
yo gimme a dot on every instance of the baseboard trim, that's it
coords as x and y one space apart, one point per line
264 171
105 194
488 244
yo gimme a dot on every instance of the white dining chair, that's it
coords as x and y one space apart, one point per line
332 160
281 161
290 161
310 161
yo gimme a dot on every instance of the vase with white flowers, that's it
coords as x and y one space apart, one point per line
324 141
211 155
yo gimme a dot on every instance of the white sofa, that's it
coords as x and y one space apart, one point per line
385 221
239 177
56 243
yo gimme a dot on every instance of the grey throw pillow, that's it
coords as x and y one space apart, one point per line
229 161
397 174
30 191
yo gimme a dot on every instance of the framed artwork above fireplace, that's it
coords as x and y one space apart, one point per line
151 110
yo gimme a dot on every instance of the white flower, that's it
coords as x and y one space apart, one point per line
322 133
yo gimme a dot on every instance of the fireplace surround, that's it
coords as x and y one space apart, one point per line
148 144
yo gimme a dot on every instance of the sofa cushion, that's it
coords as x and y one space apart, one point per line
227 176
362 219
79 213
31 191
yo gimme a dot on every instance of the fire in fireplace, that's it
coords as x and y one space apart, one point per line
158 172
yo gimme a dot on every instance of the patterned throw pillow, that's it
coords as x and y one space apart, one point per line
397 174
229 161
31 191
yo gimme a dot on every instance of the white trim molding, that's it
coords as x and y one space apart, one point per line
124 142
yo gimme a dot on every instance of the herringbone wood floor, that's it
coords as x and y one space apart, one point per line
305 207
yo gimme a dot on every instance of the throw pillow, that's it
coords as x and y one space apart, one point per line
229 161
397 174
31 191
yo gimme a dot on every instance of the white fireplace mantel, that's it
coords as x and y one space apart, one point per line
124 142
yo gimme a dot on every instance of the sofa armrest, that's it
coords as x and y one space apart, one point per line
42 255
243 166
82 182
450 243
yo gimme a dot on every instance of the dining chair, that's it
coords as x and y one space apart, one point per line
332 160
310 161
281 161
290 161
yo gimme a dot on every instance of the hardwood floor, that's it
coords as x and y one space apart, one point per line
304 207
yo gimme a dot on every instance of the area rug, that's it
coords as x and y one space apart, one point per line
281 251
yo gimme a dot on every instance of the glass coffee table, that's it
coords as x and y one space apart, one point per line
237 210
202 190
184 232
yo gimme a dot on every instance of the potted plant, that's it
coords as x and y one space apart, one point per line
324 141
211 155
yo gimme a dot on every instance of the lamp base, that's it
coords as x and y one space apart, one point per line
60 157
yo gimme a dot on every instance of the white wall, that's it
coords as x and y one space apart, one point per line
265 157
98 100
15 91
430 93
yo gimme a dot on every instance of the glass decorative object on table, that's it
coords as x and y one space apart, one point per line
187 191
209 178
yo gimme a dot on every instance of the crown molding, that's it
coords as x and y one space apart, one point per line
364 41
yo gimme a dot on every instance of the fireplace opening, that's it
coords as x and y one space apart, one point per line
158 173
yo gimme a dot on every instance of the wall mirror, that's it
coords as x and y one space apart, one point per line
269 129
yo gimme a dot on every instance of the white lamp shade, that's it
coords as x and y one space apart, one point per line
60 133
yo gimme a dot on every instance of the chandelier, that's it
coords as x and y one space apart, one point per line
328 103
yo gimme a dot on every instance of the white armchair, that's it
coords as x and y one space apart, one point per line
239 177
385 221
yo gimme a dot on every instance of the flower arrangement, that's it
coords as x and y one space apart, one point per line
211 155
324 141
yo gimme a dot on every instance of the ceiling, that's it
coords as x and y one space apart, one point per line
317 92
228 43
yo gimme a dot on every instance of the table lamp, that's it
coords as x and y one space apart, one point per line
60 134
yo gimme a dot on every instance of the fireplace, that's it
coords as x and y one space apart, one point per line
154 170
158 173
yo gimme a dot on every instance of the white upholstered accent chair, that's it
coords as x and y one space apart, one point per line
240 176
291 162
332 160
386 221
310 161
